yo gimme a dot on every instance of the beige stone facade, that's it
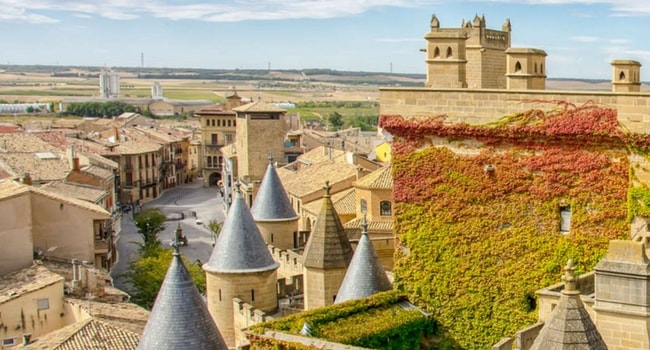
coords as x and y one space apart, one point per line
217 130
16 251
280 234
257 289
321 286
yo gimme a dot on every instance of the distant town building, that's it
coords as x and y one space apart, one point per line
109 84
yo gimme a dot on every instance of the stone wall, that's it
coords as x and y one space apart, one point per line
475 106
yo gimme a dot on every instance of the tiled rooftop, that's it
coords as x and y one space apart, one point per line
380 179
85 193
320 154
24 143
89 334
344 203
136 147
258 106
310 179
373 226
47 166
29 279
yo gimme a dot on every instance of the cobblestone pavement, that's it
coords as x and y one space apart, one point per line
192 201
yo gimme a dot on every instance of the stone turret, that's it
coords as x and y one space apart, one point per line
242 267
569 326
179 318
626 76
326 257
365 276
273 213
526 69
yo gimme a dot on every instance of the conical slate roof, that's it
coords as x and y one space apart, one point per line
271 202
328 246
365 276
240 247
179 318
569 326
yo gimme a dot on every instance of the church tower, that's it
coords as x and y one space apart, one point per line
365 276
242 267
626 76
326 257
180 319
273 213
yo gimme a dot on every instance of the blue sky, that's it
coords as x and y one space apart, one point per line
581 37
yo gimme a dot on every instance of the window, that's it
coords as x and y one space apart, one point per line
449 52
214 138
565 218
517 66
228 138
436 52
43 304
209 159
384 208
252 294
8 341
535 67
219 294
621 76
364 206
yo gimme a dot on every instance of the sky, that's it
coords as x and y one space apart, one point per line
581 37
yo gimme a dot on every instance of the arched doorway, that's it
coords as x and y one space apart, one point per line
214 179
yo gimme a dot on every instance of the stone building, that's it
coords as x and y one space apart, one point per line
326 257
242 267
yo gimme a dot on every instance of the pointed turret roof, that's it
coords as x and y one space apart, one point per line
328 246
569 326
179 318
240 247
271 202
365 276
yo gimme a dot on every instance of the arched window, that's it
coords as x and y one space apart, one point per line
385 208
621 76
517 66
364 206
436 52
449 52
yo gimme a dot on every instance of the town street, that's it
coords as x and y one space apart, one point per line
192 201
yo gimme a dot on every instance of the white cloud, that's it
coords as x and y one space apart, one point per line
584 39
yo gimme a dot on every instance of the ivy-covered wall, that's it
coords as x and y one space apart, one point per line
478 211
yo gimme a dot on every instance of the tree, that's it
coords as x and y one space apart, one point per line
215 227
149 223
147 274
336 120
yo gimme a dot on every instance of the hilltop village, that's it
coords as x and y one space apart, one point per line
487 212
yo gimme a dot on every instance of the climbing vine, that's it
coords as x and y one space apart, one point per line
478 215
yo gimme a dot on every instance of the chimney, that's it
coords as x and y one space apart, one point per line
26 179
75 159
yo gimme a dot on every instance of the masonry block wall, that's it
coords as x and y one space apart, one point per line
474 106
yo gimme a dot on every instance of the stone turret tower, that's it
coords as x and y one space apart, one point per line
471 56
273 213
626 76
526 69
240 266
326 257
569 326
260 130
180 319
365 276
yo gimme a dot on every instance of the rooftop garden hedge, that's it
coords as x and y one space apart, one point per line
478 210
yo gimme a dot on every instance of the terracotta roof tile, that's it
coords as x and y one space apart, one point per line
45 166
309 179
133 147
89 334
67 189
373 226
344 203
258 106
380 179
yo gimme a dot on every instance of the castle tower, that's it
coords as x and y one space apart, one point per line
471 56
326 257
626 76
445 57
179 318
526 69
622 292
242 267
486 58
365 276
569 326
260 131
273 213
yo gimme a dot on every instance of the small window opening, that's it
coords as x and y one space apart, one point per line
565 218
517 66
436 52
252 294
449 52
621 76
385 208
219 294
